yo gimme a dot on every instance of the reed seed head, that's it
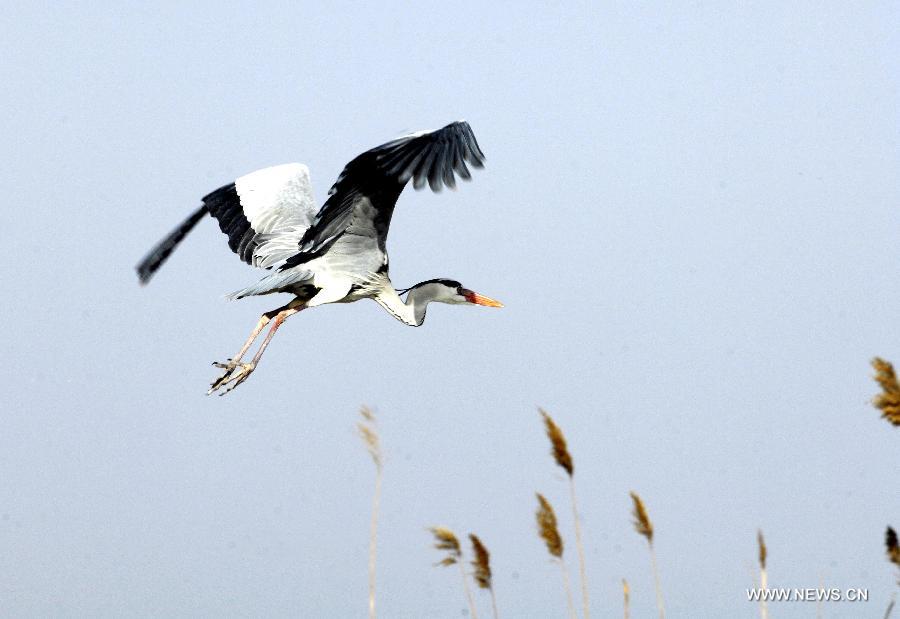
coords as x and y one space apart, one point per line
763 552
893 548
445 539
558 442
368 431
642 522
888 401
547 527
481 563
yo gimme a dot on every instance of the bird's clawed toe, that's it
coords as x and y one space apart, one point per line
229 369
235 373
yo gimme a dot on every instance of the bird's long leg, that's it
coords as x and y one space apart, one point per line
245 369
263 321
232 363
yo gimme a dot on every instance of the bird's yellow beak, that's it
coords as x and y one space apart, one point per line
478 299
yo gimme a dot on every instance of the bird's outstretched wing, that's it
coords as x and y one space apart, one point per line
363 197
264 214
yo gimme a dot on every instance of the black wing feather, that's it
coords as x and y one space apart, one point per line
161 252
225 205
380 174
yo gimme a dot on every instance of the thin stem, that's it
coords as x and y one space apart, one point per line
659 597
373 538
580 545
568 589
763 585
494 603
626 596
890 607
468 591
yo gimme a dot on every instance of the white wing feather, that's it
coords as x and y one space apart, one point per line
280 206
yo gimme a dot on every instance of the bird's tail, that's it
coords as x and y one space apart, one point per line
155 258
279 281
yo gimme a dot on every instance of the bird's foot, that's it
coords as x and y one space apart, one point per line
243 371
229 367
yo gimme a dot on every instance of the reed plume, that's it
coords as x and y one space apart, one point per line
482 565
893 552
549 532
626 594
888 401
558 443
763 577
644 527
763 551
368 431
563 458
547 527
642 522
893 548
445 539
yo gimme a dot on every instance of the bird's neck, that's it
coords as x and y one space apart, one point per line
411 311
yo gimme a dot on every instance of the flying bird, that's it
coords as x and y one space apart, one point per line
335 254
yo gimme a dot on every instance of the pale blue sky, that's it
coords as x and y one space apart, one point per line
690 211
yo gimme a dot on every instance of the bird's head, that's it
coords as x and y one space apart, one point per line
449 291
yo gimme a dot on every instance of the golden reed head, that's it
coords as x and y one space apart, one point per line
558 443
888 401
642 522
481 563
547 527
445 539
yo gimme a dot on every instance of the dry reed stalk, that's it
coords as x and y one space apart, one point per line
626 595
549 532
482 565
644 527
888 401
563 458
763 577
368 431
445 539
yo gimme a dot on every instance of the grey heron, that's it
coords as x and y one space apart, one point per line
335 254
